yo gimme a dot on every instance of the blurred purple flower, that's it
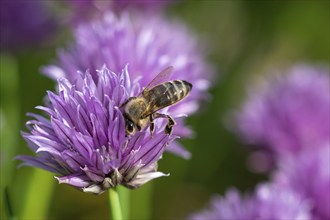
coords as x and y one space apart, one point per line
291 113
25 23
84 140
96 8
143 4
308 173
269 202
149 44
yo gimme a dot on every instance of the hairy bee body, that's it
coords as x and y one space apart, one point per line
142 110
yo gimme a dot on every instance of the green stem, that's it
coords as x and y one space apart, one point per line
115 204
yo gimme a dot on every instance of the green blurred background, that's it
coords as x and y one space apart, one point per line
247 40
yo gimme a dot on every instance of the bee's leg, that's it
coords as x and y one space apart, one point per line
170 122
152 124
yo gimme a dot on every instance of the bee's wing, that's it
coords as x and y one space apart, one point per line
161 77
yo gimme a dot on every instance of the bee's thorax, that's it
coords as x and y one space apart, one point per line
135 109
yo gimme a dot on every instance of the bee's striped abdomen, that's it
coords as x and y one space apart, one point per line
168 93
178 89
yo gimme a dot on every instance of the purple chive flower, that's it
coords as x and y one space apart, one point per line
269 202
24 23
308 173
149 44
84 139
290 114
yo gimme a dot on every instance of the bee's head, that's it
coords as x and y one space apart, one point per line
133 110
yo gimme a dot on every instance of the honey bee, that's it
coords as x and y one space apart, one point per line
159 93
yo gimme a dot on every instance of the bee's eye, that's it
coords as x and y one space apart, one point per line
129 127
